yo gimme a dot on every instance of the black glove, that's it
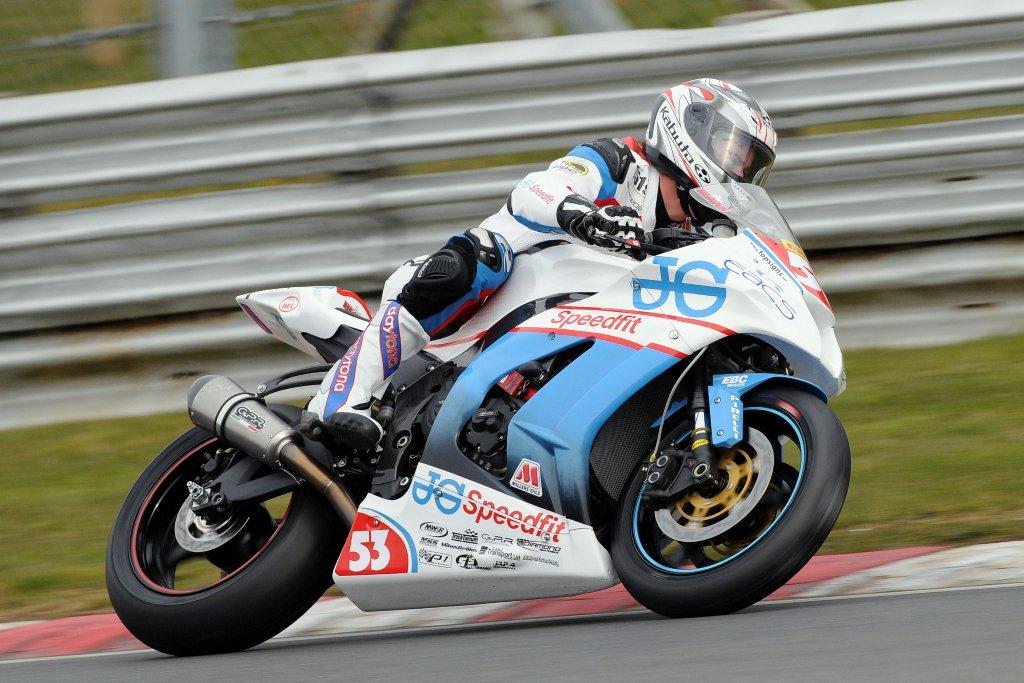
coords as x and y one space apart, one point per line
608 227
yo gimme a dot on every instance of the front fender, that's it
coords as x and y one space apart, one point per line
725 400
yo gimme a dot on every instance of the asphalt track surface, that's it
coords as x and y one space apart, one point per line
974 634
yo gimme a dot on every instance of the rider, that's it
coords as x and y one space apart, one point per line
701 132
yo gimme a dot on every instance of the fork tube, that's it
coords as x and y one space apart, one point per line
704 455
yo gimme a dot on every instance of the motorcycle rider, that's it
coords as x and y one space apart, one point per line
603 193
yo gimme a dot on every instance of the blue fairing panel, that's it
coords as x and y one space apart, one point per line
724 398
557 426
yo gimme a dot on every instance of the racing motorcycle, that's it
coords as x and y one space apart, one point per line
661 422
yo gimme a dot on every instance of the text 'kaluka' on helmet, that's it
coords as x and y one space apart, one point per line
707 131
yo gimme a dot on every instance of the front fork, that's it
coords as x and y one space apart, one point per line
675 470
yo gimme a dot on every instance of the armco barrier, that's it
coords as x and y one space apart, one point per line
873 205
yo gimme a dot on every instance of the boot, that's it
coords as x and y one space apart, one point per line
344 400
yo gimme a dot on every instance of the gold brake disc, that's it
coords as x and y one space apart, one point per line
738 466
748 469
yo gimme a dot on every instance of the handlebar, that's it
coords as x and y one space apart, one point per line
664 239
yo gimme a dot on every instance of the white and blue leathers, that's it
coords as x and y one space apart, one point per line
609 172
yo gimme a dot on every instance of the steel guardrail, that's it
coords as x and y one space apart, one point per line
887 210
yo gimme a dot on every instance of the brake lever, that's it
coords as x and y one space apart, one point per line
633 244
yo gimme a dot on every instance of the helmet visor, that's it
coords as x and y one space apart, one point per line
743 157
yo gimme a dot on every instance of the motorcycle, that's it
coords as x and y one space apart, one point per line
661 422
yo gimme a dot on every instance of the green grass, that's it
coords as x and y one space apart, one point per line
936 436
330 32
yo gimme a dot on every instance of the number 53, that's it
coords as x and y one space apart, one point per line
370 550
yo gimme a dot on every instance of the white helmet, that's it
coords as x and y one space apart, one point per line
707 131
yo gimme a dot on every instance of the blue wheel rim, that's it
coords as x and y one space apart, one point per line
782 513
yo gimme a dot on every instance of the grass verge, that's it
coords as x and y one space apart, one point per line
936 437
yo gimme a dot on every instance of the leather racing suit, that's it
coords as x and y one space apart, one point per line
429 297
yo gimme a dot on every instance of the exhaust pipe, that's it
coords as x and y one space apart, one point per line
237 417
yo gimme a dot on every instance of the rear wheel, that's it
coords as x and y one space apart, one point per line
189 586
715 552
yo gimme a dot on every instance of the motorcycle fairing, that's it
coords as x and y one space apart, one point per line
557 426
290 313
726 403
449 540
641 324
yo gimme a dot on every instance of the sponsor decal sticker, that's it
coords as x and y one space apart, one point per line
468 536
580 168
467 562
537 191
435 558
249 419
705 299
289 303
346 372
450 496
534 546
446 493
771 289
457 546
427 540
623 322
714 201
735 381
390 339
435 530
527 478
491 538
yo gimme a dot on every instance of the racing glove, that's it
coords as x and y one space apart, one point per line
606 227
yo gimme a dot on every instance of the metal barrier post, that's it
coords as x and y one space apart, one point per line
194 37
590 16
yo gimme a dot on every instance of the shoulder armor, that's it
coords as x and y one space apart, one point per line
615 153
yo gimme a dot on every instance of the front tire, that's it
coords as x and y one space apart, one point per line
289 570
700 584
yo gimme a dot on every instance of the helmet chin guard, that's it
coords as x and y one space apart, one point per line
707 131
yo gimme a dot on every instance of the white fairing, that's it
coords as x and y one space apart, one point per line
768 291
683 300
288 313
557 270
452 541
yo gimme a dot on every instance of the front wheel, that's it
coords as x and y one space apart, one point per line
187 586
716 552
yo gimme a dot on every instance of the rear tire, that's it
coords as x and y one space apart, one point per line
773 558
279 584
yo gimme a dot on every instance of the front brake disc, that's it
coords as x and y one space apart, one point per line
695 518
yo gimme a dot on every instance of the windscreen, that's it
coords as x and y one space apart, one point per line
749 206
